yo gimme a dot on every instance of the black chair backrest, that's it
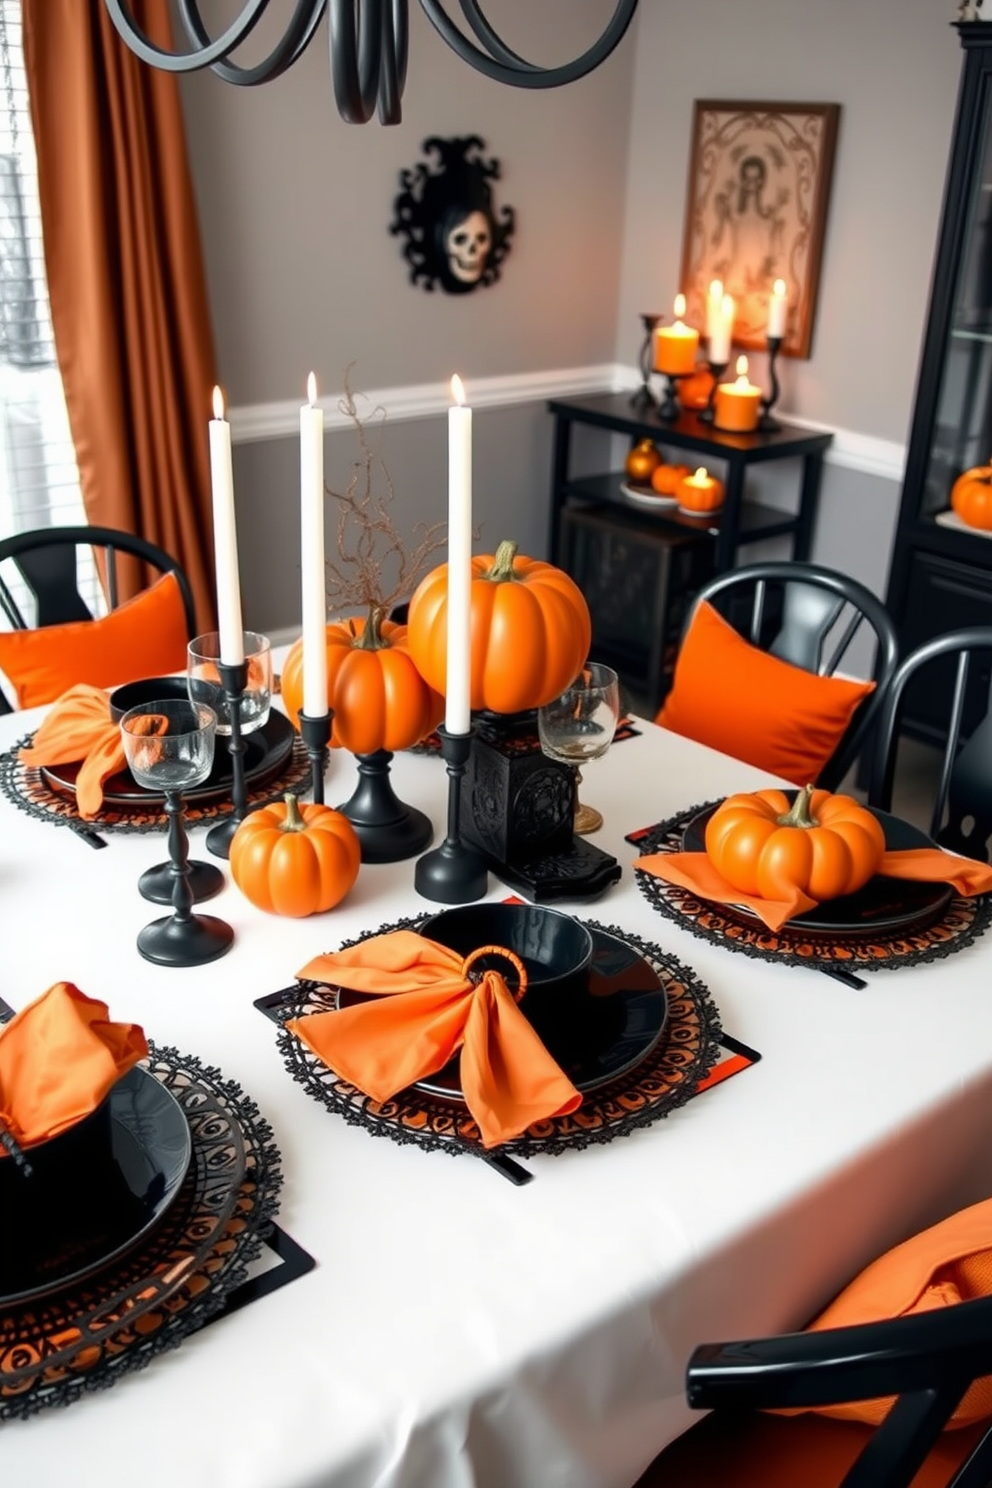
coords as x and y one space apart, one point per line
46 560
964 791
927 1361
809 616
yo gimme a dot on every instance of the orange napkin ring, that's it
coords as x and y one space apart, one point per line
508 955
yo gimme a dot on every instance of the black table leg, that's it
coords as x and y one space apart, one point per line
728 531
809 498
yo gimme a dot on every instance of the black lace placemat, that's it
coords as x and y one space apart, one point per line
961 923
26 786
668 1077
89 1334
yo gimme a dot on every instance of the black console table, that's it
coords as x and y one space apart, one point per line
641 568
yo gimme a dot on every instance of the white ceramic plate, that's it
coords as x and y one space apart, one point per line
951 519
645 496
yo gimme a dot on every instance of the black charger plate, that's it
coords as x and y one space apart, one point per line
596 1035
266 751
95 1214
883 904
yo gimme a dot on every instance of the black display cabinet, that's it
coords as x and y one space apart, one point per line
941 572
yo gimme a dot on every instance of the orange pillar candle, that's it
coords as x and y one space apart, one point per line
700 492
737 403
675 346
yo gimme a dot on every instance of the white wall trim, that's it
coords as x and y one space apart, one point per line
850 450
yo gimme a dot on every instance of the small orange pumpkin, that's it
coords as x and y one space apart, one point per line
295 861
379 698
971 497
694 390
530 630
826 845
667 479
700 492
642 461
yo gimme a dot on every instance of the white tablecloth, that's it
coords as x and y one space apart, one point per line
459 1331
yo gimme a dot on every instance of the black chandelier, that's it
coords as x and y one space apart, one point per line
368 45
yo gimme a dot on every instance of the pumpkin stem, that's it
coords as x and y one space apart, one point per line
372 638
294 820
502 569
798 814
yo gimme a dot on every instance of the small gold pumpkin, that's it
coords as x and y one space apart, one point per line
642 461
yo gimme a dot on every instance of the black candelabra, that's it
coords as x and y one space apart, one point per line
707 415
453 873
234 679
766 423
315 731
644 398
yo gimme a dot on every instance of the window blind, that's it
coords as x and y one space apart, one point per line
39 478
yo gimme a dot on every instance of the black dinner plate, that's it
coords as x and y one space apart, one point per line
94 1213
883 904
595 1035
266 751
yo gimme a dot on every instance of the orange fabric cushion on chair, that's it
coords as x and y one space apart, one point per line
735 698
146 637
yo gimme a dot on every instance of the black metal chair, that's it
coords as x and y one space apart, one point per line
928 1361
964 791
793 610
46 560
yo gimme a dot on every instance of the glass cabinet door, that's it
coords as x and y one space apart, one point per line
962 435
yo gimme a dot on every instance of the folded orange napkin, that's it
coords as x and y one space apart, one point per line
431 1009
58 1059
79 727
695 872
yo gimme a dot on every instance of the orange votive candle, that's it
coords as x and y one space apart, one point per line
700 492
675 346
737 403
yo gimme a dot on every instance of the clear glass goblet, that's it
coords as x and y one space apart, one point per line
203 680
169 747
579 725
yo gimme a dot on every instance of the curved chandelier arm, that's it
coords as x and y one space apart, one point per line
503 65
395 54
356 57
157 56
299 34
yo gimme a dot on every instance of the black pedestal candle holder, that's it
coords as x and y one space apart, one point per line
644 398
708 414
183 939
669 408
315 730
155 884
766 423
233 676
387 828
453 873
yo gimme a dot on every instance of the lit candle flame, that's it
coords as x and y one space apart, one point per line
701 474
679 306
728 307
218 403
458 391
312 390
778 288
742 366
716 289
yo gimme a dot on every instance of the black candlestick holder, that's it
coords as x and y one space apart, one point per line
708 414
234 678
669 407
387 828
453 873
644 398
315 730
766 423
183 939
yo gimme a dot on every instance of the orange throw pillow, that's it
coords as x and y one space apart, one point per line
145 637
947 1264
751 705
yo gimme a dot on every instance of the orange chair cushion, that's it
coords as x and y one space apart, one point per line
947 1264
746 703
145 637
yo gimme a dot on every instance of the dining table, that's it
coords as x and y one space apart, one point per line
458 1330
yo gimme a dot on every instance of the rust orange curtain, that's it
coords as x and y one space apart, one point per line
126 280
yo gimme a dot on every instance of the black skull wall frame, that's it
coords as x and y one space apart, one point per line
456 236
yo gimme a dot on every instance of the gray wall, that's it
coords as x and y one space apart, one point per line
303 273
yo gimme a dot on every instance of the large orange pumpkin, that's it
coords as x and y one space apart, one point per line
826 845
530 631
971 497
295 861
379 698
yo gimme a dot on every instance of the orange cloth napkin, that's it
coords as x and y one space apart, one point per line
695 872
429 1010
58 1059
79 727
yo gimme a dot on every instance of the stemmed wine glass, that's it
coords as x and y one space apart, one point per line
579 725
169 747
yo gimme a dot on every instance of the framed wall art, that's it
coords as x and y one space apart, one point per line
756 211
